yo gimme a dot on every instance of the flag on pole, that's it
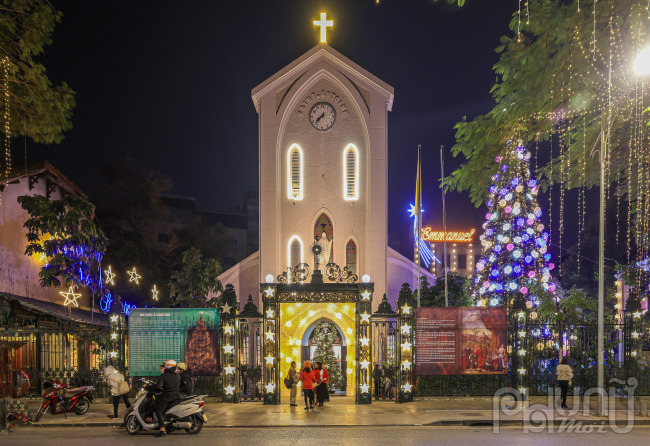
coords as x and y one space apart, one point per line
418 216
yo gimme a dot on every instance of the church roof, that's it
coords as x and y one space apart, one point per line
322 52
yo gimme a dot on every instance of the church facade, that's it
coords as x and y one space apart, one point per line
323 169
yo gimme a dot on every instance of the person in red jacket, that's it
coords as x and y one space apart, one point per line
322 393
308 377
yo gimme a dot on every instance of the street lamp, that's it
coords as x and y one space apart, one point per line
642 67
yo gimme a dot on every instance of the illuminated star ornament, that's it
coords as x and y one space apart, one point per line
405 329
228 348
269 313
406 365
110 275
225 308
134 276
70 297
155 293
364 341
323 23
228 329
364 364
114 336
366 295
229 390
113 318
270 388
364 388
113 354
365 318
269 291
406 346
407 387
229 370
406 309
270 335
269 359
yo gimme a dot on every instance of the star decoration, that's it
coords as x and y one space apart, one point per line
406 329
70 297
269 359
134 276
522 371
522 333
366 295
114 336
270 388
406 309
225 308
365 317
269 291
636 314
113 318
269 313
270 335
229 390
113 354
407 387
412 210
522 390
229 370
364 341
228 348
406 346
228 329
364 388
406 365
364 364
155 293
522 352
109 276
521 315
635 335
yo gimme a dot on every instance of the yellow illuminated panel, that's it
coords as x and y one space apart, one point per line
296 318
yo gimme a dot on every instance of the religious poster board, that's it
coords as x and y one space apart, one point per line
189 335
461 341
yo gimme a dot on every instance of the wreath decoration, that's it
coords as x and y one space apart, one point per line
324 331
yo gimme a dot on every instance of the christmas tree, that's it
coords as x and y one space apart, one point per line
325 335
514 245
201 350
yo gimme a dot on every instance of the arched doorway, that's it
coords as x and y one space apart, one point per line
339 347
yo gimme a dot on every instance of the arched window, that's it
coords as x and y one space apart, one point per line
294 173
324 224
351 173
351 257
295 252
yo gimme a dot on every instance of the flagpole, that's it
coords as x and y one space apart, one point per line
444 220
419 217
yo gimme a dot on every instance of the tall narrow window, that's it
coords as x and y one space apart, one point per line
295 253
351 257
351 173
294 173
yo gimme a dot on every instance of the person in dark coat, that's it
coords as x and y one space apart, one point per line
168 383
187 380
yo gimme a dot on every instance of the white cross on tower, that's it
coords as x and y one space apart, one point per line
324 23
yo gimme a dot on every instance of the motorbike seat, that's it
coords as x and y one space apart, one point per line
68 393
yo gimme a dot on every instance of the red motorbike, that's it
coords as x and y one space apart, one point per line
74 400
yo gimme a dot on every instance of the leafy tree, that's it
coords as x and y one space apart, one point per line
197 279
64 232
36 108
551 81
458 291
212 240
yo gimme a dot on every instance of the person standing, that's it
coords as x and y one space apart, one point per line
564 375
169 383
322 393
308 377
187 380
113 379
294 377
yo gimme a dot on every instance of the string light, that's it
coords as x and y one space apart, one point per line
7 116
70 297
134 276
155 293
110 276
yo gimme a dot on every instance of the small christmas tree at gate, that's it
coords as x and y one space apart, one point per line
514 245
201 349
325 335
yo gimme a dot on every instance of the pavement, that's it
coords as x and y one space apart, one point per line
342 411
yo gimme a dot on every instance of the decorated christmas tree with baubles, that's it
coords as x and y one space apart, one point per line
201 350
515 246
326 335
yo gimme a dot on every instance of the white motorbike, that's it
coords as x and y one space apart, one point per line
184 413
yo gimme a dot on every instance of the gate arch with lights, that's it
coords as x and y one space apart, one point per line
358 296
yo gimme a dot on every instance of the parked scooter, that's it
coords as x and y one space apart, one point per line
184 413
74 400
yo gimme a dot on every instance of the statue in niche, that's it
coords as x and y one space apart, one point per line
327 248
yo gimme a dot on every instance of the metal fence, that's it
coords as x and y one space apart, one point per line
384 358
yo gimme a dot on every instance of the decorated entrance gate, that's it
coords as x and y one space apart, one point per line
290 309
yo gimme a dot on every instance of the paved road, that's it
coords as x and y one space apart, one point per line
347 436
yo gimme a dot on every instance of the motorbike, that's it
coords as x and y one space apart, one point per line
184 413
71 400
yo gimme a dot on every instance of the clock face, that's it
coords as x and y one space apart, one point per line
322 116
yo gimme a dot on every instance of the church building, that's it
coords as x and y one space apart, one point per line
323 173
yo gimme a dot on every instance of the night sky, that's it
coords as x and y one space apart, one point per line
170 82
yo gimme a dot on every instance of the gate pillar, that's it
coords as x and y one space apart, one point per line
271 340
229 346
405 350
364 344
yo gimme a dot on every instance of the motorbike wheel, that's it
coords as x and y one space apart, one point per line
197 426
129 411
82 406
40 413
133 426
